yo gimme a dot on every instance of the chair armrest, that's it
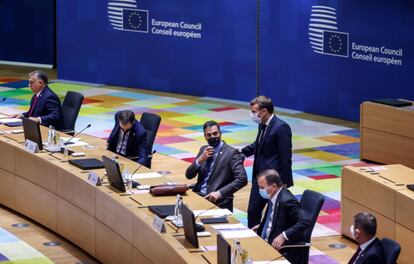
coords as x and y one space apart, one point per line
297 245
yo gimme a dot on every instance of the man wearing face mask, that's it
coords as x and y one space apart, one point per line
284 222
219 168
370 249
272 149
129 138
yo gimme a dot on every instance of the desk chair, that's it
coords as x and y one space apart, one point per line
391 250
151 123
70 109
311 204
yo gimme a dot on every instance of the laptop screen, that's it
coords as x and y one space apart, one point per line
190 232
32 131
114 174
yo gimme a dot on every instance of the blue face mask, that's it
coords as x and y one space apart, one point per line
264 194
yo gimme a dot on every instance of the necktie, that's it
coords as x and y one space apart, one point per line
355 256
33 106
262 131
266 224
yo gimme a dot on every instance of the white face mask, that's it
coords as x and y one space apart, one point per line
352 230
255 118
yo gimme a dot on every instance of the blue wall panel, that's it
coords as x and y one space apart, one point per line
299 78
27 31
220 64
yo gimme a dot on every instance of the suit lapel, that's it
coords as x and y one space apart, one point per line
218 159
276 207
361 257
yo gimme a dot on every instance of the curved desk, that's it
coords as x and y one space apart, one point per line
109 226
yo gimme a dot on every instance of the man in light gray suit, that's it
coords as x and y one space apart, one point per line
219 168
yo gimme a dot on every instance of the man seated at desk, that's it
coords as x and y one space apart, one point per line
284 222
129 138
370 249
45 107
219 168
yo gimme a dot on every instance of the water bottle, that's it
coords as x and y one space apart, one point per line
49 137
128 178
236 256
54 143
178 217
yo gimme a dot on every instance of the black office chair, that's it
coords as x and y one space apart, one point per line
70 109
311 204
151 123
391 250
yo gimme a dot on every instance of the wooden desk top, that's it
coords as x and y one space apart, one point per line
116 211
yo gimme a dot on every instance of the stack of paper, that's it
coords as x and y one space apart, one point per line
138 176
10 120
214 212
229 231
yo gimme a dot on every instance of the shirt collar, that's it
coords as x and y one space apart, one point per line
219 145
39 93
366 244
274 198
269 119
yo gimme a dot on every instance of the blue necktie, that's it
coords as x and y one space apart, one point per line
269 213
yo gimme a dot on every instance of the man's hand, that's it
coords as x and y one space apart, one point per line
255 228
207 153
36 119
213 196
16 116
278 241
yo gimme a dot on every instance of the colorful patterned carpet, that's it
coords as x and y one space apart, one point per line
14 250
320 149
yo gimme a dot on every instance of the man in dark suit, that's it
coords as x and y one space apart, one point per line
284 222
129 138
45 107
219 168
370 249
272 149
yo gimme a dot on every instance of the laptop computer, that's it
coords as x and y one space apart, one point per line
87 164
32 131
114 174
391 102
162 211
190 231
223 250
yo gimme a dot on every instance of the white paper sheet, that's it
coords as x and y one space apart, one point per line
213 212
10 120
148 175
230 231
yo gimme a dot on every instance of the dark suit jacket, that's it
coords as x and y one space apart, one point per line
136 145
287 217
274 151
373 254
48 108
227 175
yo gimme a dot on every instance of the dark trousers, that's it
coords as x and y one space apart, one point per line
256 205
296 255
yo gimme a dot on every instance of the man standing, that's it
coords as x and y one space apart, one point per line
129 138
272 149
45 107
219 168
284 222
370 249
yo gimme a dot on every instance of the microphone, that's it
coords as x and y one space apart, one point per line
69 141
215 205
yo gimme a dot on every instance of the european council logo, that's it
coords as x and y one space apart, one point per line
324 36
135 20
123 15
335 43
